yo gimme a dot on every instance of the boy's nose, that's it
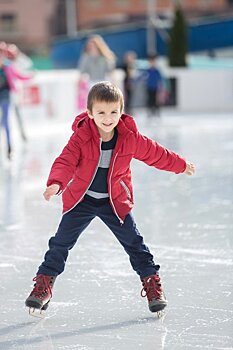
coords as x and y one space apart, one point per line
108 119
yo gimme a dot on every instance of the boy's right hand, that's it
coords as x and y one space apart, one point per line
51 191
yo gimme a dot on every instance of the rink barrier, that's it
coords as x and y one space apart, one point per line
54 93
30 95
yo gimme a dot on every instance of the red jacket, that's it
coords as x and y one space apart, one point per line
76 166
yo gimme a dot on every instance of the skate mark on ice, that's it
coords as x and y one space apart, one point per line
174 253
14 327
17 257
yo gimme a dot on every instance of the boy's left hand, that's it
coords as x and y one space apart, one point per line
190 169
51 191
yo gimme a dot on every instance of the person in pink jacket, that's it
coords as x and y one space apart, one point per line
23 64
93 175
8 77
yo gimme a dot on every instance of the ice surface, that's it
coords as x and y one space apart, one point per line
186 222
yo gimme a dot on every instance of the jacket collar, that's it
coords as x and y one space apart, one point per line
85 128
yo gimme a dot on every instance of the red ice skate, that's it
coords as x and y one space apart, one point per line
41 294
152 289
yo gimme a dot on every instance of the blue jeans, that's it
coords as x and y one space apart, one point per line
73 224
4 106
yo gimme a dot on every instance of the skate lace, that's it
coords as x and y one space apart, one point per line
152 288
42 286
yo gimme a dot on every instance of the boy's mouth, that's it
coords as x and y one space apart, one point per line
109 124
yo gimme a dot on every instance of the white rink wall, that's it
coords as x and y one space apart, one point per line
197 91
57 94
200 90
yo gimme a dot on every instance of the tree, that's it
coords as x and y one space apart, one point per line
178 43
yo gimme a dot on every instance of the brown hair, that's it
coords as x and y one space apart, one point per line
104 91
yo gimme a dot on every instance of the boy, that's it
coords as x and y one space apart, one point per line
93 174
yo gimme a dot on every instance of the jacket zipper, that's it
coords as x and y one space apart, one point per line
125 188
89 183
69 183
110 192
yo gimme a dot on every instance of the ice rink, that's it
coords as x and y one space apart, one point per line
187 222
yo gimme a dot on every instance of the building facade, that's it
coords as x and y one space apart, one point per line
32 24
91 13
27 23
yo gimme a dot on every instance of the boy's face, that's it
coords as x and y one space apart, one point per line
106 116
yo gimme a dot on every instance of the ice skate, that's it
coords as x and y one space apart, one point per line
38 300
152 289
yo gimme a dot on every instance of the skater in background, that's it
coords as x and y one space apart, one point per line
154 86
23 64
97 63
93 175
129 68
8 77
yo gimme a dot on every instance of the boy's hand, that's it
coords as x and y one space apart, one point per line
190 169
51 191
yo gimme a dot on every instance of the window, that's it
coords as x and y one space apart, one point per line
94 3
8 22
122 3
205 3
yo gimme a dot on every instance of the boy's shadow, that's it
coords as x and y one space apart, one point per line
32 337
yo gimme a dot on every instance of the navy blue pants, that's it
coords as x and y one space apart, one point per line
73 224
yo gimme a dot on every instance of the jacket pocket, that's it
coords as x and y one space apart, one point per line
126 189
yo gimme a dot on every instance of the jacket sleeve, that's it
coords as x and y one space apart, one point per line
65 164
18 75
155 155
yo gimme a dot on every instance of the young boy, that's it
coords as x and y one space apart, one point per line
93 174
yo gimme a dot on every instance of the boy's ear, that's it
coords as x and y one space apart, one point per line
89 114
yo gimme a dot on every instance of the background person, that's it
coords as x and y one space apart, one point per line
97 63
97 60
154 86
8 77
23 64
130 75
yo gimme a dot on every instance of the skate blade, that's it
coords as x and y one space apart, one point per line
161 314
36 312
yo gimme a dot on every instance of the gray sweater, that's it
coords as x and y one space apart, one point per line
97 67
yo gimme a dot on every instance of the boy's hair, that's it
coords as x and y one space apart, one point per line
105 92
